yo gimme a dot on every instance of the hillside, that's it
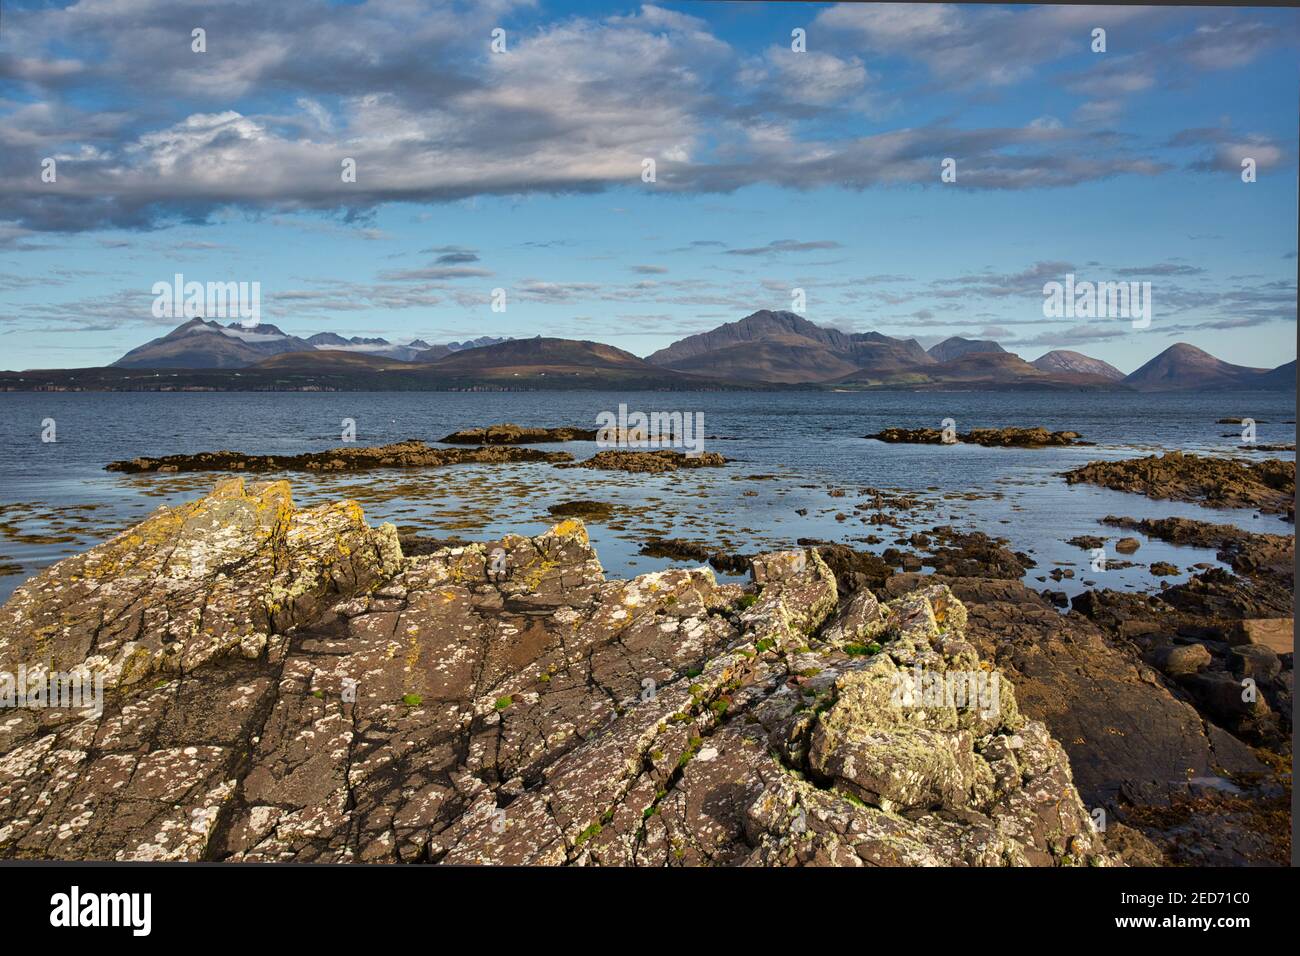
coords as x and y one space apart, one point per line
1067 362
1282 377
761 326
1184 366
782 347
956 346
789 363
977 370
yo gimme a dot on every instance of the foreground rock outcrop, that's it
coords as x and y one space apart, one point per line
1174 707
1144 748
284 684
1268 486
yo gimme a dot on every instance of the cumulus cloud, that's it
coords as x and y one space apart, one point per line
288 91
975 46
1220 149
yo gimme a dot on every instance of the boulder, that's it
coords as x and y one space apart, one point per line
1277 634
1255 661
1184 660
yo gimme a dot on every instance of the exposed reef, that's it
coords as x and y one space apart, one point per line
649 461
1037 437
405 454
511 434
1267 486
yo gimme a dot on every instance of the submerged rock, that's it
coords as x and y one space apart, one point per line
679 549
587 510
504 703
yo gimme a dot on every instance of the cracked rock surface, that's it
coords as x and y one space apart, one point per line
285 685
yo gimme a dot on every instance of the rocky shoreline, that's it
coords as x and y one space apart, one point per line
509 706
289 684
292 684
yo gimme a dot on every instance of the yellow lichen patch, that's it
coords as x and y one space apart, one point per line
570 528
537 573
413 655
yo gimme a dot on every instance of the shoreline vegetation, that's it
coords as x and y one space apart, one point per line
616 711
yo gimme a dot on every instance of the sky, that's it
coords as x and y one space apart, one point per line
522 170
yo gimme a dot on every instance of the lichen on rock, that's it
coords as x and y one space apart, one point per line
286 685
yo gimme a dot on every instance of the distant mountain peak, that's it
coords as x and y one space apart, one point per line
780 346
193 344
478 343
1183 365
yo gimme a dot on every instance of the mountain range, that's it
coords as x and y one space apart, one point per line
203 343
766 349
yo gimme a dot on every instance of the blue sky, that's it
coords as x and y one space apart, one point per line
521 170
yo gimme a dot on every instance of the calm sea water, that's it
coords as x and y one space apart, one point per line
790 452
